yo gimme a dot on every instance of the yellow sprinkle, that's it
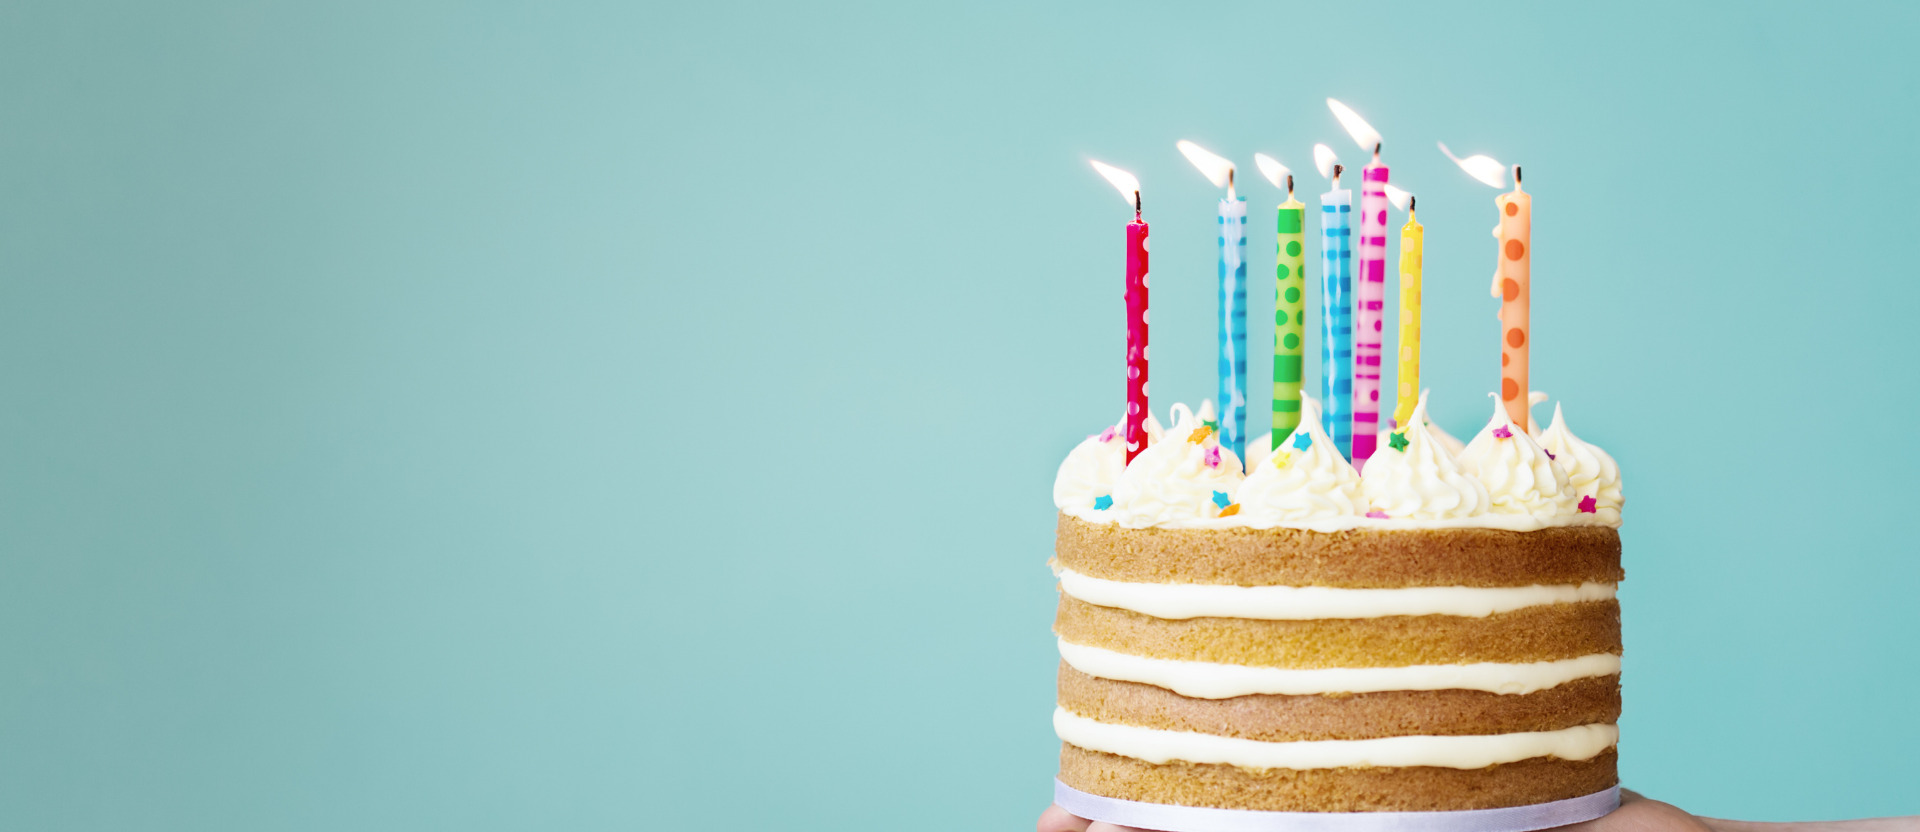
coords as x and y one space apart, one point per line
1283 459
1231 510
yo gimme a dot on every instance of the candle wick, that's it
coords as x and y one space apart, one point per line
1337 170
1376 153
1136 205
1411 201
1516 177
1289 186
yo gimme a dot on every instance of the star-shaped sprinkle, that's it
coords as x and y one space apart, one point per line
1377 514
1397 440
1108 435
1302 441
1103 502
1283 459
1200 434
1230 510
1213 457
1221 499
1212 423
1501 432
1588 505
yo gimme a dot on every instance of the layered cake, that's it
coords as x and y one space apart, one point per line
1441 634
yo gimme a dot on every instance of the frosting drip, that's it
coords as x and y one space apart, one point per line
1186 476
1413 476
1591 473
1093 467
1520 477
1304 479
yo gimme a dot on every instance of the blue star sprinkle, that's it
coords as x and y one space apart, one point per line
1103 502
1302 441
1220 499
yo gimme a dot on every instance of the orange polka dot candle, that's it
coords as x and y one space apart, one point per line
1512 278
1513 285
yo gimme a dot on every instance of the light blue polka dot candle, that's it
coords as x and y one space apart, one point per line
1233 298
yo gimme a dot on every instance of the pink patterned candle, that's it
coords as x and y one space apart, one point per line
1136 333
1370 303
1137 409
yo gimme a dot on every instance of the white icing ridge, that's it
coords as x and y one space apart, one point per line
1421 481
1583 742
1177 478
1091 469
1304 479
1303 603
1590 471
1424 485
1212 680
1521 478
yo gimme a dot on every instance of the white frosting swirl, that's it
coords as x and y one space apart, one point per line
1591 473
1258 451
1090 471
1176 479
1519 475
1305 479
1420 480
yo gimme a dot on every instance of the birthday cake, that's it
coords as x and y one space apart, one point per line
1439 634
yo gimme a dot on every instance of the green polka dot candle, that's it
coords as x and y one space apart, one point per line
1289 317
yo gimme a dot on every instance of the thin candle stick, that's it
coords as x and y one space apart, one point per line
1289 315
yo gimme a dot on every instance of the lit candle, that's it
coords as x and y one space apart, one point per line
1412 240
1370 301
1137 409
1336 309
1512 282
1289 301
1233 298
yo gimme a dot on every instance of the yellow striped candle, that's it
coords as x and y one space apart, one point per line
1412 240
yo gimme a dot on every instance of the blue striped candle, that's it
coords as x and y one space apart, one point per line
1336 319
1233 325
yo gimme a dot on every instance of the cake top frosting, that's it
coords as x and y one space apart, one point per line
1505 478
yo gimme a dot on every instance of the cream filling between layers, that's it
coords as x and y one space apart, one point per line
1211 680
1302 603
1583 742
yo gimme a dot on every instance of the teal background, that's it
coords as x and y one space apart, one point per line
538 416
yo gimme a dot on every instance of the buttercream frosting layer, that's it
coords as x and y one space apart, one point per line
1185 600
1270 718
1217 680
1363 559
1406 789
1464 752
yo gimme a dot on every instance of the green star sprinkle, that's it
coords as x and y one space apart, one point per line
1397 440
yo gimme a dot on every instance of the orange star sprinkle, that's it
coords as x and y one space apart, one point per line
1199 435
1231 510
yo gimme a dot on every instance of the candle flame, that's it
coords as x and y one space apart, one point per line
1215 168
1400 198
1129 185
1271 169
1484 168
1324 159
1363 133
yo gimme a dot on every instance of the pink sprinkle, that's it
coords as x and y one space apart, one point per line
1549 454
1107 435
1213 457
1501 432
1377 514
1588 505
